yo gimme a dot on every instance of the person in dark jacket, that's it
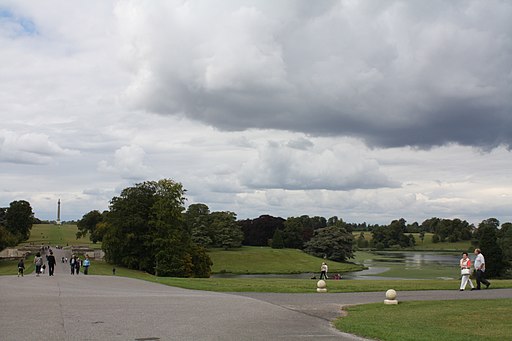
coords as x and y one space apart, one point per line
51 263
78 264
72 264
21 267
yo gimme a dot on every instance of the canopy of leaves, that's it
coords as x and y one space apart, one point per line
487 232
90 224
145 230
392 235
19 218
332 242
257 232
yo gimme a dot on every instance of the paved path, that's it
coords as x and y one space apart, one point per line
66 307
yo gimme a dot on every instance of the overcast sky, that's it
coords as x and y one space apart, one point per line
367 110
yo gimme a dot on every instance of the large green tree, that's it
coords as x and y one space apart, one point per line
505 242
277 240
6 238
293 233
226 232
19 219
392 235
146 231
258 231
332 242
488 243
197 218
90 224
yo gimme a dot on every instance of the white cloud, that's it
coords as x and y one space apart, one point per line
260 107
339 168
30 148
128 162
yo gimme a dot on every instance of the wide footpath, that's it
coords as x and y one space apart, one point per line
66 307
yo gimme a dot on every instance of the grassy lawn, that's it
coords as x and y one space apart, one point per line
284 284
431 320
265 260
50 234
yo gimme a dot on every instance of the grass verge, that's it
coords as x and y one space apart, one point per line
431 320
283 285
265 260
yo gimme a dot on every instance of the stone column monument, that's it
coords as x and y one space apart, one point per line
58 213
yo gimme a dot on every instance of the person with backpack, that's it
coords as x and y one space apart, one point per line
38 261
21 267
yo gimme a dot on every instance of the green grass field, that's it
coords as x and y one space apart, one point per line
284 284
63 235
431 320
265 260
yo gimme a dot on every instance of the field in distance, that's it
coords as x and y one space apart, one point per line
53 235
427 244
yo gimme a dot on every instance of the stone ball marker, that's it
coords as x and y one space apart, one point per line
390 297
321 286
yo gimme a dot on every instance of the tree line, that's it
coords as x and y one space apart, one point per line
148 228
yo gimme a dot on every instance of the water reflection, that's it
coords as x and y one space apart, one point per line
414 259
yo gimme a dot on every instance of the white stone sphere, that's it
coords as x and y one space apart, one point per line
391 294
321 284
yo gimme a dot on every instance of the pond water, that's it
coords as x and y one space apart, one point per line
388 265
406 265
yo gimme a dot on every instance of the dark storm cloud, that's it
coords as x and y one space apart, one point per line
393 73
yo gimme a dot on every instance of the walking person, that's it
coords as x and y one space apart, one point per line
323 271
51 263
21 267
72 265
38 261
480 270
465 271
78 263
86 264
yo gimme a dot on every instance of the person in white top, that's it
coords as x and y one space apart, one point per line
480 270
465 271
323 271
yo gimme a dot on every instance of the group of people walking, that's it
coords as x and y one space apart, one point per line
40 265
465 271
75 264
